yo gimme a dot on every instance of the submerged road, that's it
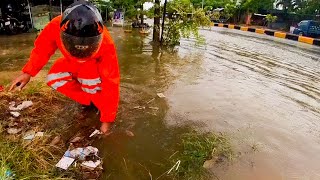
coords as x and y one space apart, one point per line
264 92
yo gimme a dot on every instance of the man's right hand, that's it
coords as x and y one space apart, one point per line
20 82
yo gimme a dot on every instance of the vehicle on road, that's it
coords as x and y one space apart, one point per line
13 20
308 28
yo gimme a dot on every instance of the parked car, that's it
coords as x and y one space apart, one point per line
308 28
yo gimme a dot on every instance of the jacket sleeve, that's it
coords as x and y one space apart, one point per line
107 99
44 47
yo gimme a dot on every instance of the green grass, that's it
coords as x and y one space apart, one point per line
37 159
28 161
196 148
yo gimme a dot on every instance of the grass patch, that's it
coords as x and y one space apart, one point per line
36 159
33 161
196 148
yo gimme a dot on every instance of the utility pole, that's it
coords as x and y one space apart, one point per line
61 7
30 13
202 3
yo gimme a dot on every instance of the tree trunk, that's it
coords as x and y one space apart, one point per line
50 10
141 14
156 27
163 19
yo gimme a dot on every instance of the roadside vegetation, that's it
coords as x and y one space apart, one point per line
21 159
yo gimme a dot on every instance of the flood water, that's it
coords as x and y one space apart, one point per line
263 92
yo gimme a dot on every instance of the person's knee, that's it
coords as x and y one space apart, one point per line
57 80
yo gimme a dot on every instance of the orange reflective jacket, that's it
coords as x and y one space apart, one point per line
102 68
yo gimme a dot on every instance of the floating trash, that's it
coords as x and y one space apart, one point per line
161 95
80 154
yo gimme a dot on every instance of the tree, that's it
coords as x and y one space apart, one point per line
184 20
229 11
156 26
271 19
311 7
254 6
290 5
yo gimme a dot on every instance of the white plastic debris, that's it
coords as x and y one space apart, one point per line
13 130
81 153
24 105
39 134
161 95
15 114
65 162
29 135
90 164
78 154
95 132
139 107
154 108
129 133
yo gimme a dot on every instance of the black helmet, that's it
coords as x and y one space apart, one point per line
81 29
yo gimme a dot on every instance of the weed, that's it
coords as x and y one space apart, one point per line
196 148
36 159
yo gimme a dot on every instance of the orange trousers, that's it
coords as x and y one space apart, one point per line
78 81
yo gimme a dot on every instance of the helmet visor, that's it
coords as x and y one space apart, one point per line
81 47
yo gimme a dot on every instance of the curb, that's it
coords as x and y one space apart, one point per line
269 32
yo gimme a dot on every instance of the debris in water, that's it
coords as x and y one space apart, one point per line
154 108
129 133
80 154
161 95
139 107
150 100
13 130
24 105
95 132
90 164
175 166
65 162
15 114
55 141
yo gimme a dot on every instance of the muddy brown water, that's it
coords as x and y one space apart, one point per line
262 91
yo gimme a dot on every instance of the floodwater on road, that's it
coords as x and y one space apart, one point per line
265 92
262 91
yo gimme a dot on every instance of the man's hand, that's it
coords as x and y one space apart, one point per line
20 81
105 128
